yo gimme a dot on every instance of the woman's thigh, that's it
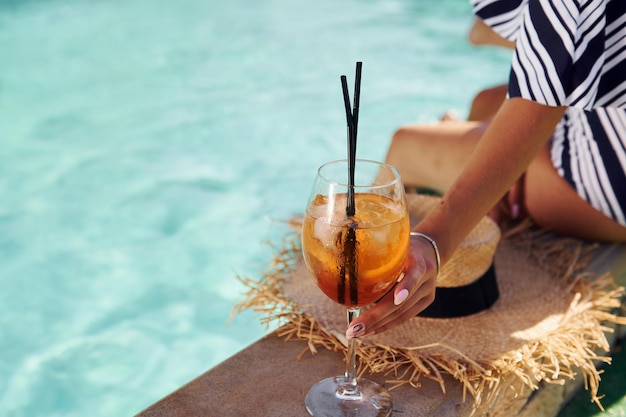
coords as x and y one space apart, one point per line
553 204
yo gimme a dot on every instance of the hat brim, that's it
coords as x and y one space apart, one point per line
547 323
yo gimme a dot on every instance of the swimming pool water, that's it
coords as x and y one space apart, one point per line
147 149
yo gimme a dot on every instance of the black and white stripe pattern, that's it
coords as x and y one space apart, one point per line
611 90
588 152
573 53
503 17
584 68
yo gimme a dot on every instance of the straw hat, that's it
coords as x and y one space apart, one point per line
475 254
546 325
466 283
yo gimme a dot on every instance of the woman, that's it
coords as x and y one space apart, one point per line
559 136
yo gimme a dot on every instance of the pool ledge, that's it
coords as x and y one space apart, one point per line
268 379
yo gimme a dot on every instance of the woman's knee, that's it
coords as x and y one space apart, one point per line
405 144
406 135
487 102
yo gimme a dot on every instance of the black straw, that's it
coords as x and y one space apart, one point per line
346 102
352 119
349 242
351 148
357 95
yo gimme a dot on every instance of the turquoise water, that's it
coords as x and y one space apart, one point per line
147 149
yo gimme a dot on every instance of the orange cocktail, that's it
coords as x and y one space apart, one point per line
355 259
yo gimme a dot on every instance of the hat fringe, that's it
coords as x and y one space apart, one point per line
553 359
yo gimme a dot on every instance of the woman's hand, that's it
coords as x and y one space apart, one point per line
412 294
511 206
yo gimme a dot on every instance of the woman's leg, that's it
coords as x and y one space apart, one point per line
485 105
433 155
553 204
487 102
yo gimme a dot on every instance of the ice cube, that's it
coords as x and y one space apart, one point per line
324 232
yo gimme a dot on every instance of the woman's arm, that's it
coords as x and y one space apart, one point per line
515 136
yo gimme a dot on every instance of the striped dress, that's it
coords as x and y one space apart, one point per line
573 53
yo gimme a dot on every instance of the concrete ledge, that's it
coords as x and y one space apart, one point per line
267 379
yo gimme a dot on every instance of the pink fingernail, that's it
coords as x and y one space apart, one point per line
356 330
400 296
515 211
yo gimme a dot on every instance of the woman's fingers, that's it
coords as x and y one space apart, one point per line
406 314
367 321
411 308
511 205
412 294
515 198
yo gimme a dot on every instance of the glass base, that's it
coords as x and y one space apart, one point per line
325 399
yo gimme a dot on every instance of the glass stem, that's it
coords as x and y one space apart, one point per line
350 387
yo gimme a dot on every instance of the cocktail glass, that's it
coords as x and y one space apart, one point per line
356 258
